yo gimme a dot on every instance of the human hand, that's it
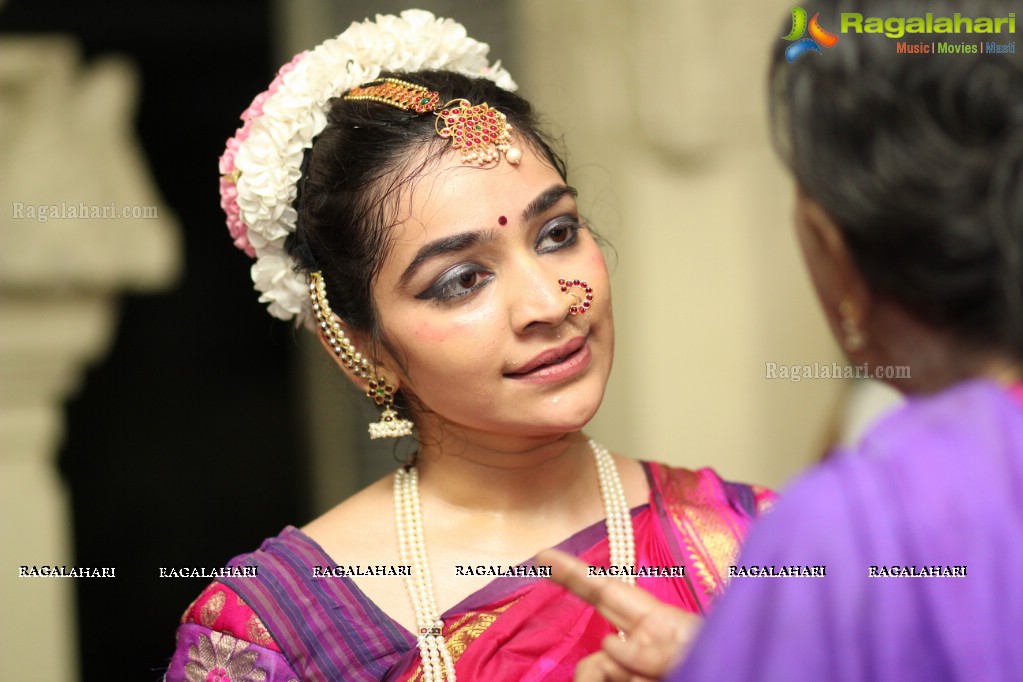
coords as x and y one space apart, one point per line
658 635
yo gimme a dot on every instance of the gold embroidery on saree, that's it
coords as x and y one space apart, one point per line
711 542
210 611
257 632
470 626
184 616
220 656
465 631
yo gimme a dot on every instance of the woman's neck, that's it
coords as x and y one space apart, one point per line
502 475
936 359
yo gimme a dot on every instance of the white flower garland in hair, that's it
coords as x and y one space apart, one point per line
261 164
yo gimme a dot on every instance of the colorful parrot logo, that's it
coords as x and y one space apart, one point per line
818 36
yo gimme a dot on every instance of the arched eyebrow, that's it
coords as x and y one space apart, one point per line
439 247
545 200
467 240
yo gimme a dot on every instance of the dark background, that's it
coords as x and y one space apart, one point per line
163 462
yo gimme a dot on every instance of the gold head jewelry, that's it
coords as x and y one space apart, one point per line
400 94
482 133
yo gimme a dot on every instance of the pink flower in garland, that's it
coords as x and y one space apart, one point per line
261 166
229 174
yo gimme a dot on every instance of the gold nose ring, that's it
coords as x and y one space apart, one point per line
583 302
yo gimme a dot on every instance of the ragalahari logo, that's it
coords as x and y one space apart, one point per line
800 45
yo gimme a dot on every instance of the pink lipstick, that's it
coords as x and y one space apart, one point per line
556 364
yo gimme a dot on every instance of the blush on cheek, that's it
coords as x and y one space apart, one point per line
425 333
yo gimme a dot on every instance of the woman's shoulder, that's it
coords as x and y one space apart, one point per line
291 595
220 609
357 523
702 520
705 489
220 632
965 418
310 563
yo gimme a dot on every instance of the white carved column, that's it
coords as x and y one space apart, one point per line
66 149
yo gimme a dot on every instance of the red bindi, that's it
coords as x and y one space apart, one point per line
502 221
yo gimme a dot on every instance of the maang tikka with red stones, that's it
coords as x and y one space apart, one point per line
482 133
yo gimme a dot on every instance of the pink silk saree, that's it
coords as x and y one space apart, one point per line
287 625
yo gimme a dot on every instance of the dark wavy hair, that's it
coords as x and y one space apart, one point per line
919 160
352 178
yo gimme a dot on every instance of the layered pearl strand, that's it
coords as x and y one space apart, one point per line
438 665
619 517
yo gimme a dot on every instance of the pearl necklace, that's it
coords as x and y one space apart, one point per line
437 662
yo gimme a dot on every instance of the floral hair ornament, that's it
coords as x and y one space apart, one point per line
261 167
482 133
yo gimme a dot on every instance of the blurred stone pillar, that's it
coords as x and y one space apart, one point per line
80 222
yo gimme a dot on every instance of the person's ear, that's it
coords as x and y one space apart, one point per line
353 351
375 376
841 288
347 348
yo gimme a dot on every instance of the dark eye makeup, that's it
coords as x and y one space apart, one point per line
467 278
558 234
460 280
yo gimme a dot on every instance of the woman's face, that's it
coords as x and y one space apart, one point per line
469 300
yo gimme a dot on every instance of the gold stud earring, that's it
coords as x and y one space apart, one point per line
854 338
